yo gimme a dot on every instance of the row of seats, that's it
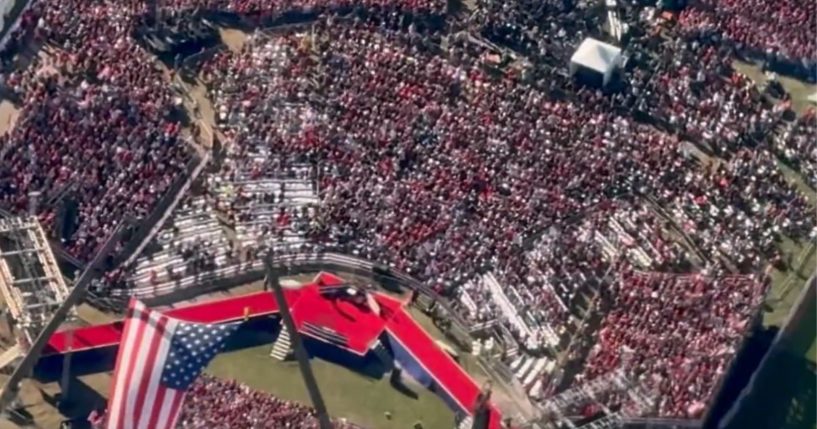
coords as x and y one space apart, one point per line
529 370
193 244
272 210
631 232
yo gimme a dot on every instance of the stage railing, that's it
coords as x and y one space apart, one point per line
253 270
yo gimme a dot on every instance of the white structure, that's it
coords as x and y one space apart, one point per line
596 58
30 280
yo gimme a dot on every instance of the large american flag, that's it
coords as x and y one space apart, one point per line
159 357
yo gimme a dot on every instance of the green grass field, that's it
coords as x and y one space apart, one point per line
359 398
347 394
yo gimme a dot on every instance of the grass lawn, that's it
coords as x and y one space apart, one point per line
357 397
348 394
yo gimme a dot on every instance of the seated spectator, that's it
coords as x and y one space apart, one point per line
212 403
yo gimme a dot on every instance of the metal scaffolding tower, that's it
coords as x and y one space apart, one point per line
63 310
618 382
30 279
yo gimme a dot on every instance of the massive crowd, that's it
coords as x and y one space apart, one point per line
429 162
264 9
693 81
677 334
95 129
774 31
435 167
542 30
797 145
428 150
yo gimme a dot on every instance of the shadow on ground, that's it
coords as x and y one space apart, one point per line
783 398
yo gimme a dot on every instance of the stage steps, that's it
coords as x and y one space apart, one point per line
283 345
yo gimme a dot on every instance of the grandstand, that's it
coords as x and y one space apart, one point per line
573 238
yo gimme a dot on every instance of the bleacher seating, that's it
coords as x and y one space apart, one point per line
192 246
424 163
268 208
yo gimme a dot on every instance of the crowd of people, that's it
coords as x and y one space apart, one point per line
676 334
780 31
427 161
372 87
433 166
737 211
694 81
213 403
95 126
797 145
545 31
266 9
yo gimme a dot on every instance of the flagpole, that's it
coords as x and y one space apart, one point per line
297 345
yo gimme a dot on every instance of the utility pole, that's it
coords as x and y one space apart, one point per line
65 379
297 344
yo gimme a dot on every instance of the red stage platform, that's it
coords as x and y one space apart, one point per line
440 365
218 311
360 326
316 316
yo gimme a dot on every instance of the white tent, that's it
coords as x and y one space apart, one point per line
597 57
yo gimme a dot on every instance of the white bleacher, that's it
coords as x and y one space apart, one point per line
535 372
629 232
193 224
522 370
258 196
529 371
468 302
536 389
509 309
517 362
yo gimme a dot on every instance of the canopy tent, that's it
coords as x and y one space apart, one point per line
596 57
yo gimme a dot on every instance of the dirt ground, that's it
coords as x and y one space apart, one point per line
8 116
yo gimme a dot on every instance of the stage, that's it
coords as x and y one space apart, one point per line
321 316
